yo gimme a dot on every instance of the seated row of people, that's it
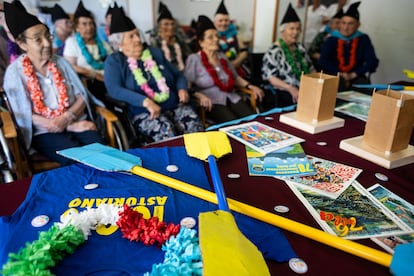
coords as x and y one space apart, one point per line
345 52
52 106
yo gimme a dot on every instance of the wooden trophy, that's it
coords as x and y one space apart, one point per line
387 132
316 104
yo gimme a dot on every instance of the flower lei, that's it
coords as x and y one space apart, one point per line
352 55
151 66
178 53
213 73
96 64
182 257
293 60
36 94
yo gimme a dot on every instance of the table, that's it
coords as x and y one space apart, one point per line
266 192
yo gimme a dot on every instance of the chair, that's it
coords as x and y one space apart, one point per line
27 163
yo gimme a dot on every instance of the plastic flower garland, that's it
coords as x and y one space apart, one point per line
36 93
97 65
223 87
352 55
151 66
178 54
182 255
292 60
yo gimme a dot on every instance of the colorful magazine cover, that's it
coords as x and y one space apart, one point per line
354 96
288 161
357 110
402 209
261 137
331 178
355 214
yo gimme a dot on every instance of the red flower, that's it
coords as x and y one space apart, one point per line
223 87
36 94
352 56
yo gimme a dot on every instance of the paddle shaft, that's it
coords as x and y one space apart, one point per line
218 185
348 246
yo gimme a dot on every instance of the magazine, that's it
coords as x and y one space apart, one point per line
288 161
402 209
354 96
261 137
355 214
331 178
357 110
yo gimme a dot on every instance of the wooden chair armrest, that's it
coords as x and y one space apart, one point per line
106 114
9 129
252 96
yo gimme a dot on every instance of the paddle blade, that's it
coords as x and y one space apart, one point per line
225 250
202 144
102 157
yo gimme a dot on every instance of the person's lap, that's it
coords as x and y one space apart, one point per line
232 111
170 123
48 143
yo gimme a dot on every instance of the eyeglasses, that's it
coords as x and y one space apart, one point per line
38 39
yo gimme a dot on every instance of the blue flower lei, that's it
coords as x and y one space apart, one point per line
97 65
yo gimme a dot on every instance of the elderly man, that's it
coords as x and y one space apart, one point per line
349 52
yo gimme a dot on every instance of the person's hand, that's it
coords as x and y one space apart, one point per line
57 124
183 96
99 77
81 126
204 101
258 92
153 108
295 93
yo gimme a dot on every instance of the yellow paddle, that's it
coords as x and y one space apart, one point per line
110 159
225 250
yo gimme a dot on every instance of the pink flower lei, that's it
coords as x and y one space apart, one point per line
151 66
36 93
178 53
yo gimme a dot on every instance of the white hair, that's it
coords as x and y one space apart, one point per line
115 40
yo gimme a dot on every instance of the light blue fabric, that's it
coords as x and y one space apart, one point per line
402 263
252 117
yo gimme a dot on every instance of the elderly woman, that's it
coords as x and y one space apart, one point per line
48 99
169 39
87 52
285 61
63 28
229 43
215 78
154 89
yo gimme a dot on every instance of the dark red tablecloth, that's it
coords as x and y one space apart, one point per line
266 192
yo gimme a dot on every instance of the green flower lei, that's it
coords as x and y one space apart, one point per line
292 60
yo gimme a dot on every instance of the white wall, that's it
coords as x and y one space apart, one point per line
388 23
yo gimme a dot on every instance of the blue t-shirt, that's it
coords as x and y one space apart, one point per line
54 192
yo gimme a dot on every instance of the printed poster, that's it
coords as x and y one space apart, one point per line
288 161
261 137
331 178
355 214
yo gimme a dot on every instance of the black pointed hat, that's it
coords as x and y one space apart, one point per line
164 12
290 15
339 14
18 19
193 24
110 9
222 8
203 24
120 22
353 11
81 11
58 12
